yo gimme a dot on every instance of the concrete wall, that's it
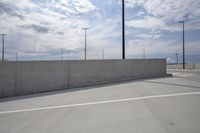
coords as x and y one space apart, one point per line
19 78
180 66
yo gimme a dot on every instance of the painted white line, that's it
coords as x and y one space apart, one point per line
100 102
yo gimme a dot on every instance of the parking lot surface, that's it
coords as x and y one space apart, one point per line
161 105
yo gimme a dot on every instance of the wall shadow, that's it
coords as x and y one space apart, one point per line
67 90
172 84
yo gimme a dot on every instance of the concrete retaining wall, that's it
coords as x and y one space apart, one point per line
19 78
180 66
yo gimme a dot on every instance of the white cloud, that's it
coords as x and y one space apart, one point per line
152 46
167 13
22 4
62 29
173 10
83 5
160 46
70 6
170 60
141 13
134 3
148 22
64 19
41 26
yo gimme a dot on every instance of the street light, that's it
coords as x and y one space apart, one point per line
176 54
3 46
62 55
182 22
16 56
123 30
144 53
103 51
85 29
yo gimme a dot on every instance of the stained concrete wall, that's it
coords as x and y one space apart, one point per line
19 78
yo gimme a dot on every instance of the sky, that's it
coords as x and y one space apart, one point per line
44 29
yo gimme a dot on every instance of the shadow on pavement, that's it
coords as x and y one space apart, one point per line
34 95
172 84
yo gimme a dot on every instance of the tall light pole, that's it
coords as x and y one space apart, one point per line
85 29
103 54
123 30
176 54
62 55
3 46
144 53
182 22
16 56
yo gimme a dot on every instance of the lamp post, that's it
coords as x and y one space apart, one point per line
123 30
62 57
3 35
103 51
182 22
176 54
144 53
16 56
85 29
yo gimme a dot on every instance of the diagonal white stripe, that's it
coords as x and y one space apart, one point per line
100 102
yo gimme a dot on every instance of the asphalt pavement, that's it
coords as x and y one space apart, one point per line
159 105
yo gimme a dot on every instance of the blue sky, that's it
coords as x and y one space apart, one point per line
41 29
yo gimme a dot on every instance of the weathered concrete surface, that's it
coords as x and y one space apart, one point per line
176 114
193 75
180 66
18 78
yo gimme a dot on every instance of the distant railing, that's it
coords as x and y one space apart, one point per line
180 66
59 55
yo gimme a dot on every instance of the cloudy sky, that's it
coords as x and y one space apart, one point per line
42 29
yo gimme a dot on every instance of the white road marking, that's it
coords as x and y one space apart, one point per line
100 102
